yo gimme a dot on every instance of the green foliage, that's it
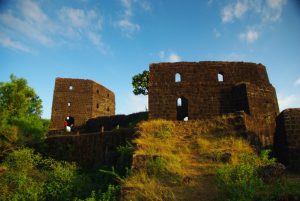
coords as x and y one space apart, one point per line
125 158
20 115
239 183
60 182
156 166
140 83
18 98
242 183
20 180
111 194
25 175
265 157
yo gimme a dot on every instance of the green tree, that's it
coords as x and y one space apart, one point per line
20 115
140 83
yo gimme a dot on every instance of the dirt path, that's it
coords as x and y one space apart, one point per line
199 185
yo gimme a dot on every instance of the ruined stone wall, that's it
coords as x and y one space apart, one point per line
79 98
89 150
103 101
245 86
287 137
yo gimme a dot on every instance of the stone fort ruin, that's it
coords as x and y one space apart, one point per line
197 90
184 91
80 99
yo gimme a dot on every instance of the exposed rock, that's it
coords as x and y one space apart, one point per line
272 172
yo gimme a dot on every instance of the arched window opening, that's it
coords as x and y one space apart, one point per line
107 95
107 109
220 77
71 87
177 77
179 102
182 109
97 91
97 105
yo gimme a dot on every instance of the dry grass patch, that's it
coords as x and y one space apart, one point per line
182 157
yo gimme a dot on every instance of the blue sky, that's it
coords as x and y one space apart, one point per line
109 41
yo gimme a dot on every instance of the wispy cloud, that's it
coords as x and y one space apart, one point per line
274 10
297 82
268 11
291 101
126 23
15 45
232 11
249 36
34 30
29 23
173 57
169 56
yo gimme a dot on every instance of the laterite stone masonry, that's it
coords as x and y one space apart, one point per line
81 99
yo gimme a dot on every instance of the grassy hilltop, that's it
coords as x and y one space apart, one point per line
199 160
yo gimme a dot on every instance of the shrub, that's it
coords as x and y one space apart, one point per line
242 181
20 180
239 182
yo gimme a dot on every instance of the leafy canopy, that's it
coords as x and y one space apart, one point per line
20 115
140 83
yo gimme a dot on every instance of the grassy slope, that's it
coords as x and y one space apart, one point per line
177 160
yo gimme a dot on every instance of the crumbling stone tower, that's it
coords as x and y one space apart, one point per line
197 90
81 99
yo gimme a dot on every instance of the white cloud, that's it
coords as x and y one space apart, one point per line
145 5
9 43
249 36
95 38
240 9
297 82
127 26
134 103
33 11
30 23
276 4
229 12
169 56
126 23
76 17
79 18
291 101
34 31
268 11
174 57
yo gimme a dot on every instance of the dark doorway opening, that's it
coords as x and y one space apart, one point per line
70 121
182 108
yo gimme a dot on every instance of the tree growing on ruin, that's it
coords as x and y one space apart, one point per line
140 83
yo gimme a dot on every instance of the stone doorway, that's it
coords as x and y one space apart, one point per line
182 109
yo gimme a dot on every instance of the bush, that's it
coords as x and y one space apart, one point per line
242 182
239 182
25 175
60 182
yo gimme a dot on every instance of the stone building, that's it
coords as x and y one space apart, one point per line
287 137
80 99
197 90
